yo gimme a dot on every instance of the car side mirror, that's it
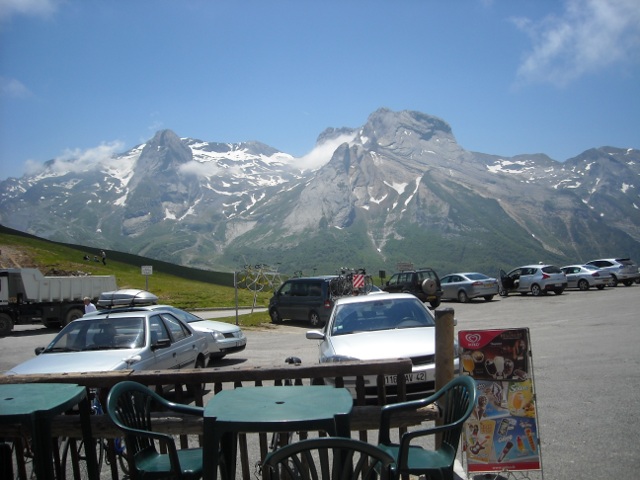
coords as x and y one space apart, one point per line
315 335
39 350
164 343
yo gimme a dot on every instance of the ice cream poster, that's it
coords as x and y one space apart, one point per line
502 432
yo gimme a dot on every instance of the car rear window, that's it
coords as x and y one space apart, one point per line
551 269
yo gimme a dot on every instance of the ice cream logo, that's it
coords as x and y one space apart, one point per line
473 339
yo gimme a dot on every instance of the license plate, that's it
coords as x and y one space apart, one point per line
409 378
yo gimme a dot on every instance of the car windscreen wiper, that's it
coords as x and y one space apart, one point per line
60 349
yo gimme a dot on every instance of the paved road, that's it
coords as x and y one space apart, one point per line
586 366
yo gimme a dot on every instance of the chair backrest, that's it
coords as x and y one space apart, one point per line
129 405
328 458
456 401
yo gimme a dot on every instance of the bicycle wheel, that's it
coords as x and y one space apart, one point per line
368 284
121 453
74 458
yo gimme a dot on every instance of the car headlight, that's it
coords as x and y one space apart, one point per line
217 336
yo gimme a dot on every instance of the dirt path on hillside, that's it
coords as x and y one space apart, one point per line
14 257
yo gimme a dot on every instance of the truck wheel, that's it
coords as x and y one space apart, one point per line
6 324
72 315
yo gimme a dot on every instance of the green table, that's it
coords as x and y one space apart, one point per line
269 409
35 404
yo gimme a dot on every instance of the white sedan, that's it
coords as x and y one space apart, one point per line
380 327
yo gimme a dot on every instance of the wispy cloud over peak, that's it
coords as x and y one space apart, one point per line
589 36
78 160
322 153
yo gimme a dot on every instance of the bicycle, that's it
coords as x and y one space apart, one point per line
73 457
352 282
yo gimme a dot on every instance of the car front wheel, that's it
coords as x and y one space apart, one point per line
583 285
488 298
628 283
535 290
275 316
463 297
614 281
314 320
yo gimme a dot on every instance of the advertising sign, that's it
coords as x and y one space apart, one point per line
502 432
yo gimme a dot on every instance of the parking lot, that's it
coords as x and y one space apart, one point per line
585 358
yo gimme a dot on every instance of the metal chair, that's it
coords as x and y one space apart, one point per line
456 401
328 458
129 406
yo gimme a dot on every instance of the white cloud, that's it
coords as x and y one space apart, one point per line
322 153
12 88
77 160
8 8
589 36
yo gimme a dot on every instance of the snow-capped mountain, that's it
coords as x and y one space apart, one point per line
399 188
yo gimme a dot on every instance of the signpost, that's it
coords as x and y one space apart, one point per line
146 270
501 436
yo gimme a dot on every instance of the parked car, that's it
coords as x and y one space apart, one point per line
537 279
467 286
378 327
304 298
223 338
584 277
622 270
227 337
424 283
136 340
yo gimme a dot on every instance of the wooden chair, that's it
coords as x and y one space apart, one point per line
129 405
328 458
456 401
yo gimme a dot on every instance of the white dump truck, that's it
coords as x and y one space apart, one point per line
27 296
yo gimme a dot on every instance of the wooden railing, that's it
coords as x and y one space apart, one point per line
365 416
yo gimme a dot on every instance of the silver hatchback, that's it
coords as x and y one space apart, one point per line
622 270
534 279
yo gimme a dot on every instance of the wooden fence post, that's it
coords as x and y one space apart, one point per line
444 352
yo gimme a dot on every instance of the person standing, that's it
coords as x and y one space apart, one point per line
89 306
104 257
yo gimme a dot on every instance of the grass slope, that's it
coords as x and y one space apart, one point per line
182 287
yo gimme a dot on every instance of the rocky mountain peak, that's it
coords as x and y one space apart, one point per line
398 188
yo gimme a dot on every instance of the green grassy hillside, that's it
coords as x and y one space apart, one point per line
182 287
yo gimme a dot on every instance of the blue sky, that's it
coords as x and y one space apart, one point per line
93 77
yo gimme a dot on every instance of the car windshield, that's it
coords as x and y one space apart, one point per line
388 314
181 314
102 334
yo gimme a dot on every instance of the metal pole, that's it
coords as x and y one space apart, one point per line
235 284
